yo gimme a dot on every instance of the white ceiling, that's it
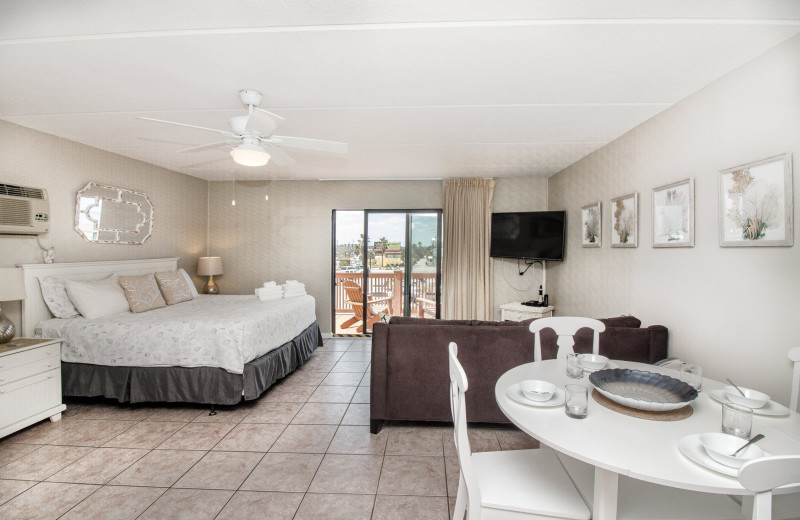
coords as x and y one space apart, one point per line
419 89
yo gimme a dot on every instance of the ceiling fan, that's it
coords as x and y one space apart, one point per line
252 136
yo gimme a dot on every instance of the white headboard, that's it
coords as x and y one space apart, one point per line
34 310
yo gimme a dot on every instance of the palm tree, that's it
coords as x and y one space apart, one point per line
383 243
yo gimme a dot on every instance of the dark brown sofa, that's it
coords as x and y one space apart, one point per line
409 373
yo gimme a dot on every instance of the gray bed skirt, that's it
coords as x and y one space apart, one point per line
205 385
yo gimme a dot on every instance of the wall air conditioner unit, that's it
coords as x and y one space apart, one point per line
23 210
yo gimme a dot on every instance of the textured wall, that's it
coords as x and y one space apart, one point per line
731 310
517 194
63 167
289 236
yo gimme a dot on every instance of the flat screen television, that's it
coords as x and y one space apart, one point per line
534 235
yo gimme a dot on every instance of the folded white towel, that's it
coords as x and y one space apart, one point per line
293 283
294 292
270 284
269 293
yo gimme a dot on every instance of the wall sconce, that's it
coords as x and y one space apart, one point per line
210 266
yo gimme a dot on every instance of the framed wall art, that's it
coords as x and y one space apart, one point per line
591 225
625 221
755 204
673 214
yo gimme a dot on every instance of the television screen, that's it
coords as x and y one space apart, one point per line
537 235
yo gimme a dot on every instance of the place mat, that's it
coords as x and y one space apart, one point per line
666 415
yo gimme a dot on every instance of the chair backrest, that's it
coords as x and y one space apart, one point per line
565 328
356 297
794 398
458 403
765 474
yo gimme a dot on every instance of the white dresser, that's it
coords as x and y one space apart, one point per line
30 383
517 312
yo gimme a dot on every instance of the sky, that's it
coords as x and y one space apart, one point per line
350 226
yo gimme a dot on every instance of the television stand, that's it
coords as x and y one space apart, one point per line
517 311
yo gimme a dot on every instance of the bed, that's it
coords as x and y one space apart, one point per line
213 350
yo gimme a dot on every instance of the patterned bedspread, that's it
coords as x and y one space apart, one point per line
215 331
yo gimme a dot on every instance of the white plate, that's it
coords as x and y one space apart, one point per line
610 364
691 447
515 394
771 408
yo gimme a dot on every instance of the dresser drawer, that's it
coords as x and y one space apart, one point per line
25 397
30 362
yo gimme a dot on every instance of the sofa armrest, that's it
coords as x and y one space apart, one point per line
378 375
659 337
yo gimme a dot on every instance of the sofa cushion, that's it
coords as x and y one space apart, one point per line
407 320
622 321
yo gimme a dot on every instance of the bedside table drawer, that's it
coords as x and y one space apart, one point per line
516 315
38 392
28 363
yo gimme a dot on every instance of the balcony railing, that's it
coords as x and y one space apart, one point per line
386 283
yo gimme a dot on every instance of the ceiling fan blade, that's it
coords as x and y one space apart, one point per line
261 123
225 132
278 156
309 144
210 145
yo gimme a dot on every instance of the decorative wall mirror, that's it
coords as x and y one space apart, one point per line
109 215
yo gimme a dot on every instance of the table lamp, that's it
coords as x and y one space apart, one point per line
12 288
209 266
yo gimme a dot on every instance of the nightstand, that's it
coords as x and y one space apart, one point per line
518 312
30 383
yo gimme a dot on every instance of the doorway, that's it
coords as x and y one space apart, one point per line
392 261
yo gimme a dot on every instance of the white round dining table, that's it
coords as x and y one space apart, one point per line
618 444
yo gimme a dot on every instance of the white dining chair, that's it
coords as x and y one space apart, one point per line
507 485
762 476
565 328
794 397
639 500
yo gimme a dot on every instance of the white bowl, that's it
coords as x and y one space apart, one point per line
536 390
592 361
719 447
751 399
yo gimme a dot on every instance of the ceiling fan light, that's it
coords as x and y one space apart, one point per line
248 154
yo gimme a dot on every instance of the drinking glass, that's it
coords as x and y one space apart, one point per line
692 375
574 368
576 404
737 420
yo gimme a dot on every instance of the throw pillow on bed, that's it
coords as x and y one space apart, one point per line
98 298
55 296
142 292
173 287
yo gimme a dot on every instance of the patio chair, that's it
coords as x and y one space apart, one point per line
765 474
368 314
565 328
506 484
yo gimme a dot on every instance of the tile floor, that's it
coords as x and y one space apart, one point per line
301 451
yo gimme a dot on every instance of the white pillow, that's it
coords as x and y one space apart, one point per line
55 296
189 282
98 298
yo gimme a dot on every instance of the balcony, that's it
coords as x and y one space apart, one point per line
386 284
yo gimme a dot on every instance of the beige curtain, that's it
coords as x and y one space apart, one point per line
466 265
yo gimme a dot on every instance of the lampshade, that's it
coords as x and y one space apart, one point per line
12 285
248 154
209 266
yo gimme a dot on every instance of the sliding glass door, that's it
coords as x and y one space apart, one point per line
390 266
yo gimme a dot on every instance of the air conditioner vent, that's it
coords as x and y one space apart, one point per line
15 213
21 191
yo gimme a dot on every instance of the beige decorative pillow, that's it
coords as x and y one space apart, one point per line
173 287
142 292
